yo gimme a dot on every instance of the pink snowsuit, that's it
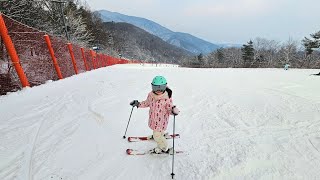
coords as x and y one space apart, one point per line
160 109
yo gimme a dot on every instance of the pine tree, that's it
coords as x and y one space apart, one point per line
311 44
200 59
219 55
248 54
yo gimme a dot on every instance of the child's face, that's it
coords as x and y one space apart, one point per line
159 92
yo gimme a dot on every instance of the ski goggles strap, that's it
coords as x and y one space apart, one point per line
159 87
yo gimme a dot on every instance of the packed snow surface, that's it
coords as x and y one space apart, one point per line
234 124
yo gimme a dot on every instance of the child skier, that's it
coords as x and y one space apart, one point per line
286 66
160 103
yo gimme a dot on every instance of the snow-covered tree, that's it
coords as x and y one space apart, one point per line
77 29
26 11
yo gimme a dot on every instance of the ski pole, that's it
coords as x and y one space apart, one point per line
124 136
174 122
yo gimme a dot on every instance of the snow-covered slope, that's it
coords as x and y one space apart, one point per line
234 124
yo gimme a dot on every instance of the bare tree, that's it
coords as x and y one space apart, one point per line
288 52
225 57
266 51
233 57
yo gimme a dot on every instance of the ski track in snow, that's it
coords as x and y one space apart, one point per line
234 124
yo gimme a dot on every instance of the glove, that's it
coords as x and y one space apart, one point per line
175 110
135 103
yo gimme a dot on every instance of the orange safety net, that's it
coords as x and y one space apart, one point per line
36 61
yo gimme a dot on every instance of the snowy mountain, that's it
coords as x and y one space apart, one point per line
136 43
183 40
235 124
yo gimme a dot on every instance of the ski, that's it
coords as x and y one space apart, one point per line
145 138
139 152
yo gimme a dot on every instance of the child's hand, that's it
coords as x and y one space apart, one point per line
135 103
175 111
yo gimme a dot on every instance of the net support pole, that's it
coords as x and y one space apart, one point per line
72 58
12 52
84 59
54 60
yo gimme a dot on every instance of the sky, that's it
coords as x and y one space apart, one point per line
225 21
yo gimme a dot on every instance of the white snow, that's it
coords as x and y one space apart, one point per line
234 124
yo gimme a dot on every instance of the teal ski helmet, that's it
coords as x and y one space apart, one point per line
159 83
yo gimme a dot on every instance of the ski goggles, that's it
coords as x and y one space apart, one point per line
159 87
